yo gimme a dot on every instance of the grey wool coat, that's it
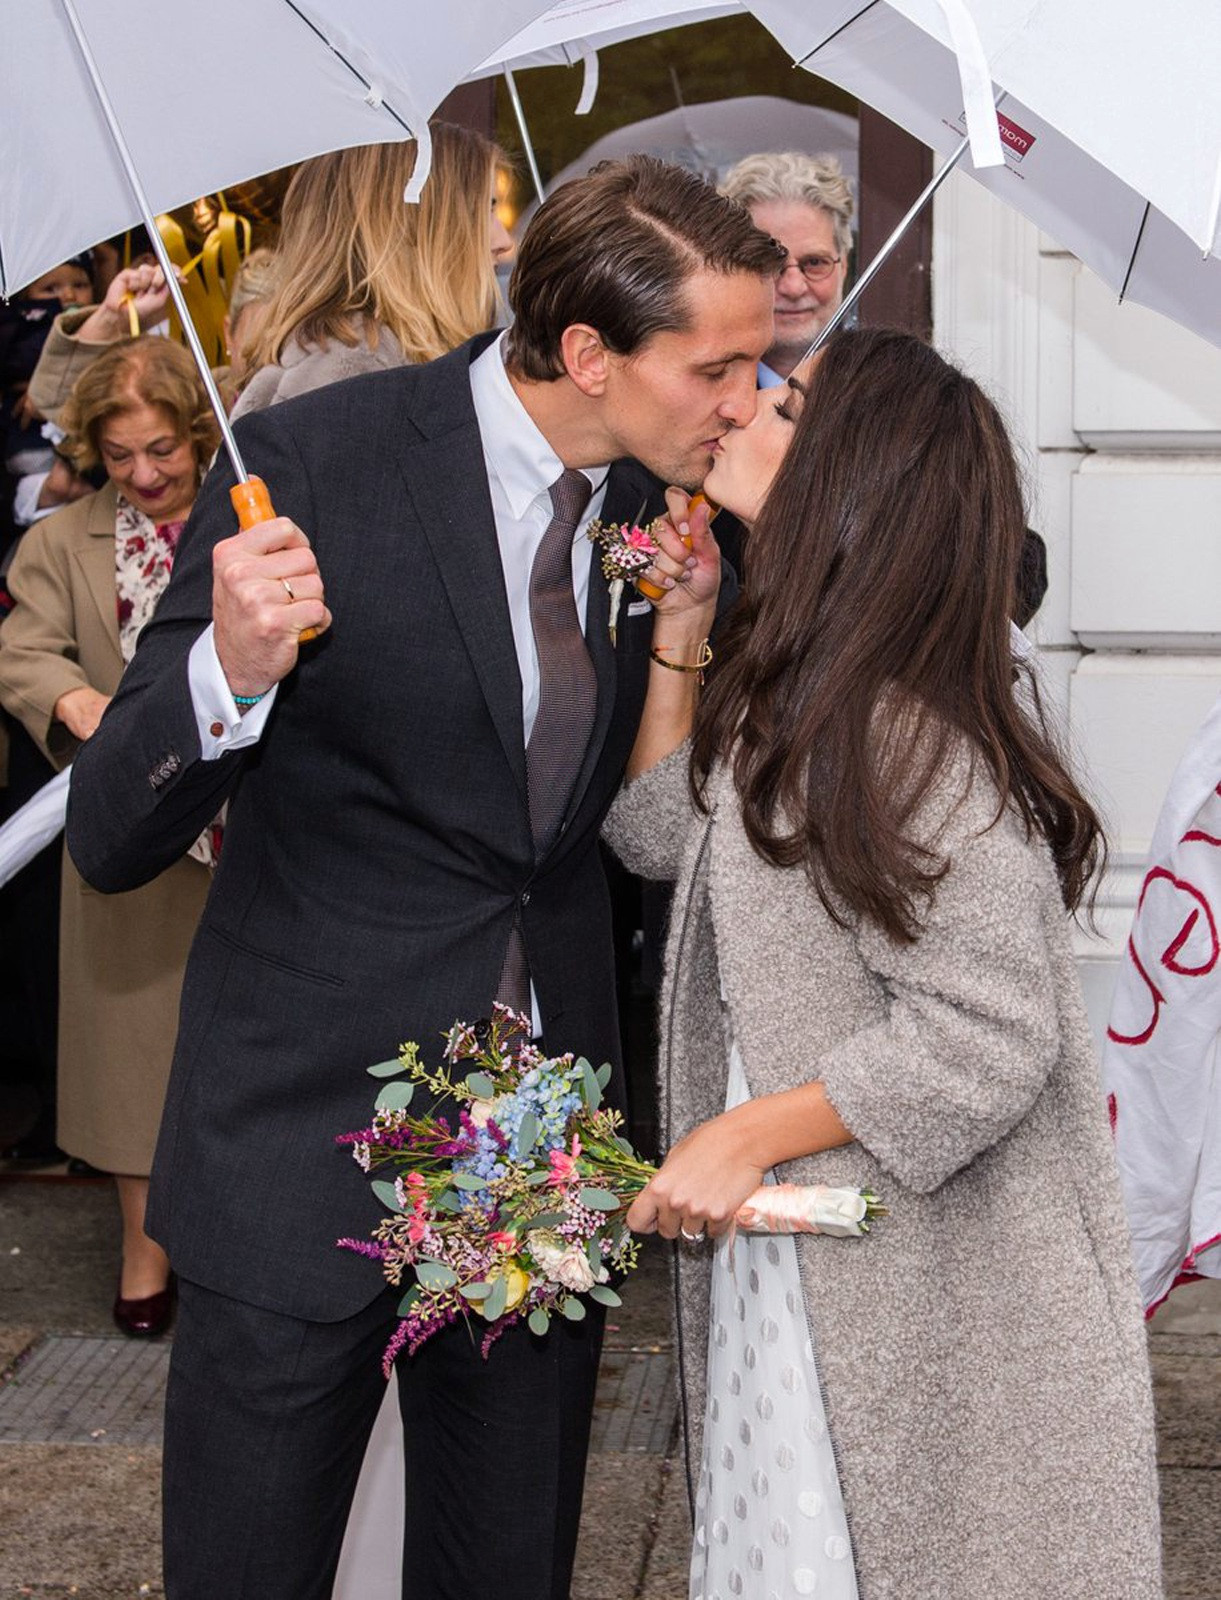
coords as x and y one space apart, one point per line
982 1351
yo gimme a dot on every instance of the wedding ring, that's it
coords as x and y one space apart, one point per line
692 1238
288 588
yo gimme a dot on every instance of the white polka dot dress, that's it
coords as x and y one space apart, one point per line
769 1515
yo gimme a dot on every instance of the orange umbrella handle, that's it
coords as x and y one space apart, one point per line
252 502
651 591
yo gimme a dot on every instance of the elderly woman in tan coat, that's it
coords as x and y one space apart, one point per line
870 981
84 582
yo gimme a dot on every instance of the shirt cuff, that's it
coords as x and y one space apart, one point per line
222 727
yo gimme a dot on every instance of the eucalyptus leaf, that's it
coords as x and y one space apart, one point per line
539 1321
408 1300
527 1135
395 1096
537 1179
385 1069
481 1086
475 1291
603 1074
572 1309
604 1296
593 1254
467 1180
623 1145
591 1091
448 1201
494 1305
548 1219
599 1199
435 1275
385 1192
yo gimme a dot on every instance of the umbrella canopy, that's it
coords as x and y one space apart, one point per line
1108 121
208 96
575 30
709 138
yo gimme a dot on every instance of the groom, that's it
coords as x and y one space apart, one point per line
414 805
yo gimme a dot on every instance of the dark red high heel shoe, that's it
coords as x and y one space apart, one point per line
145 1318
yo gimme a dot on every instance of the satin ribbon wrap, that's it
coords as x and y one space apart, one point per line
809 1208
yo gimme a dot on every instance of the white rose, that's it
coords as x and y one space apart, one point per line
548 1249
481 1112
574 1271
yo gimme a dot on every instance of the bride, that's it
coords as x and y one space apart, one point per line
870 981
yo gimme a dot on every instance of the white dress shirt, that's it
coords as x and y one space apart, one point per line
521 467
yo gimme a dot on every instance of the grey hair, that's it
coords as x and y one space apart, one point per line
791 175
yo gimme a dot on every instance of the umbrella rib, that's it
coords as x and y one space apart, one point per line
354 70
823 43
1140 234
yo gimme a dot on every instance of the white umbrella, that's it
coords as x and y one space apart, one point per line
32 828
1107 116
709 137
113 116
575 30
209 95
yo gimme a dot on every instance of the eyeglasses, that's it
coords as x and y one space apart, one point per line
814 269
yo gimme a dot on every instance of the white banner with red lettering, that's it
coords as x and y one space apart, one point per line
1159 1066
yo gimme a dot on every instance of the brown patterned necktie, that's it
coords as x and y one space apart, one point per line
567 698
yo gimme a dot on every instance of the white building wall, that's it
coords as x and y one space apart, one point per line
1117 413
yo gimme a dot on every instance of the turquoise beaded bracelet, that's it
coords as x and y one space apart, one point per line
250 699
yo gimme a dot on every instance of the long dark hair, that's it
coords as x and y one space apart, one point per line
872 636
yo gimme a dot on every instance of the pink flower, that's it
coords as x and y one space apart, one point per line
564 1166
504 1241
637 538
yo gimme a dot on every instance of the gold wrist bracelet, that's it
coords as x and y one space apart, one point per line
658 654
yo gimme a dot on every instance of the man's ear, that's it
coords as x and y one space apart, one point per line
586 359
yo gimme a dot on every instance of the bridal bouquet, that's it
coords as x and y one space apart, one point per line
515 1208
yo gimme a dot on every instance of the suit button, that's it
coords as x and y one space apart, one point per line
216 729
525 898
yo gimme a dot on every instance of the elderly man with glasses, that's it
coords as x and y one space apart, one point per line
806 203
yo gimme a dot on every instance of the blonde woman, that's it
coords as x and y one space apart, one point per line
368 282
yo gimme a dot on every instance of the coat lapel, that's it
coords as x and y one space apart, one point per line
96 558
443 467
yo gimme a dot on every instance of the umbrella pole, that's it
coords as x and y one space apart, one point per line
887 250
154 233
526 140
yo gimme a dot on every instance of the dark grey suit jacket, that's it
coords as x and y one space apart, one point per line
378 845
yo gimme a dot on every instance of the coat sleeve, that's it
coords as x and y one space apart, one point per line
651 817
62 361
971 1031
39 654
141 791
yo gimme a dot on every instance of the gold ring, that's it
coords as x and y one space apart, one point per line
288 588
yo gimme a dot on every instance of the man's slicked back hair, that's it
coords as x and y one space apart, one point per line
615 250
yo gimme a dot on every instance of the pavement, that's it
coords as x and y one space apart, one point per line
79 1426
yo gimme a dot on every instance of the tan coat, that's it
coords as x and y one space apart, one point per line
982 1352
121 956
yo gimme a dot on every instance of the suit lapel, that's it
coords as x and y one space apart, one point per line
443 468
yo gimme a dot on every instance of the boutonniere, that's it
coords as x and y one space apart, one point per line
627 549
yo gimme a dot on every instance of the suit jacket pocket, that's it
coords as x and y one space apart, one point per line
272 959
